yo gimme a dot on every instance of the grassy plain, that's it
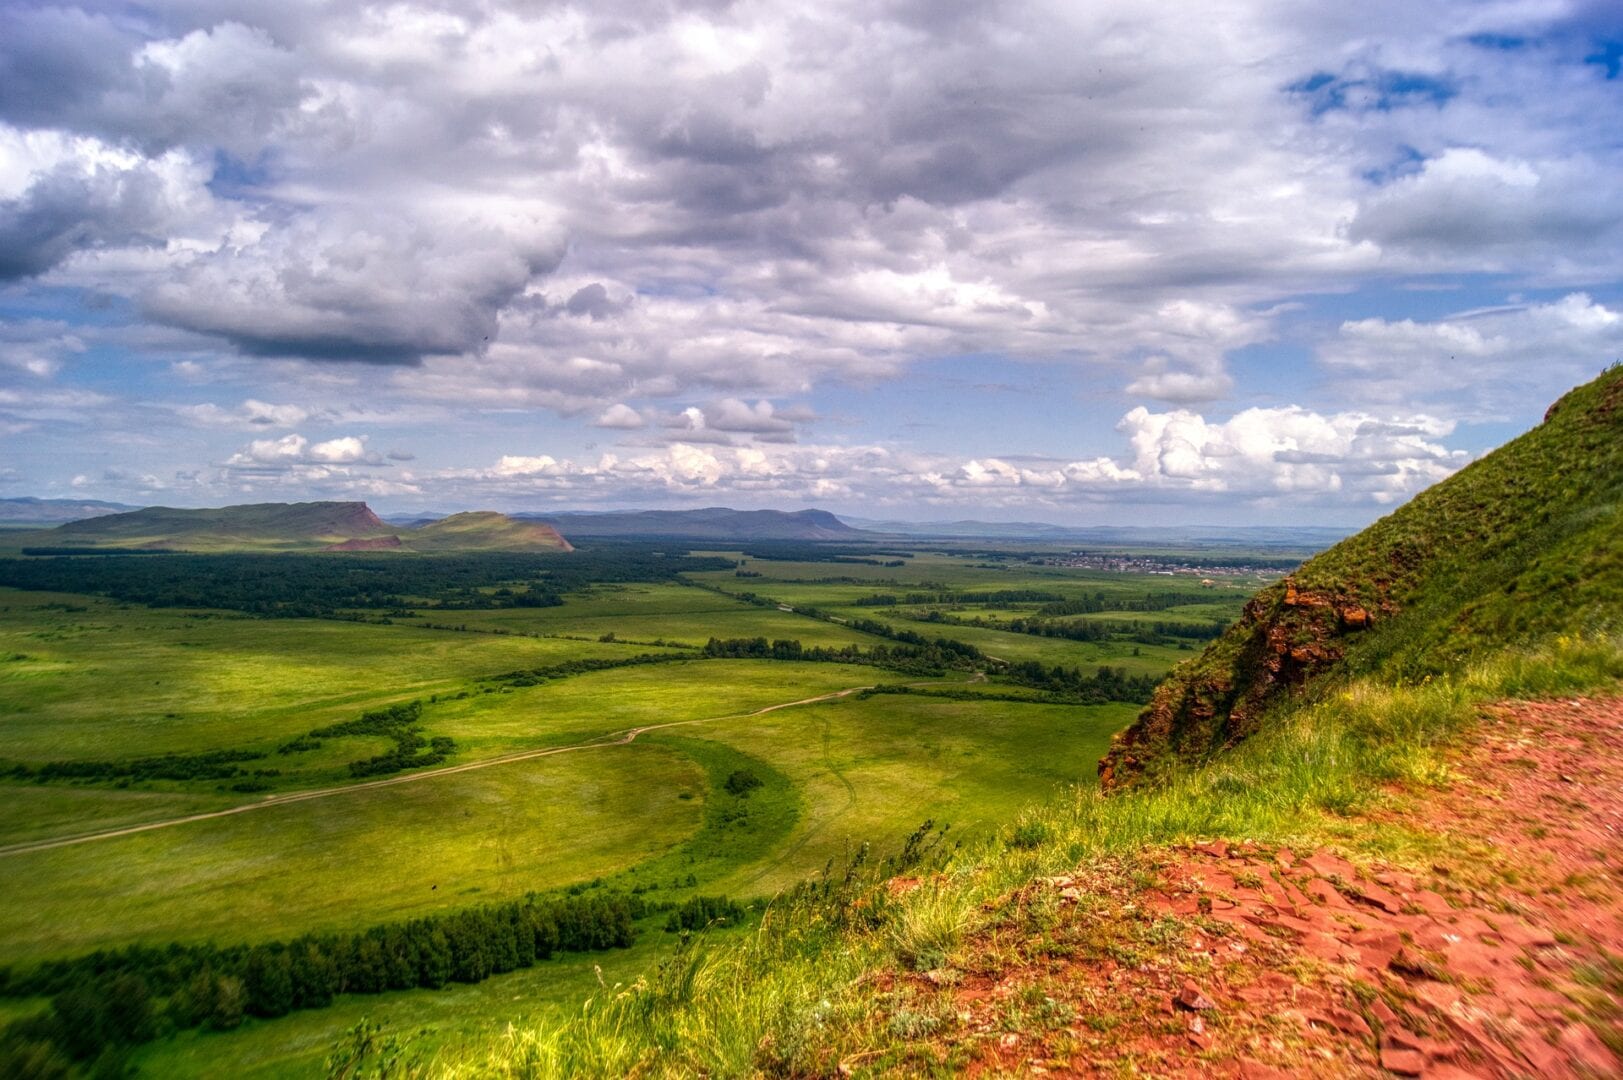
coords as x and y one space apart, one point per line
83 678
359 858
677 613
104 680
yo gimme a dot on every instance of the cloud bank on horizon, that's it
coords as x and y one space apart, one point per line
1112 262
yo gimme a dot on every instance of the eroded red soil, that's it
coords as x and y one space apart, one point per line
1502 958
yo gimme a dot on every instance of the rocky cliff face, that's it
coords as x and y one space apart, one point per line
1285 636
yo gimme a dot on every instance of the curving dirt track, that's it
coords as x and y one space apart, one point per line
614 738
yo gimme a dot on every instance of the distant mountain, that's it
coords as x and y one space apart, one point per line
484 530
254 526
315 526
713 523
30 511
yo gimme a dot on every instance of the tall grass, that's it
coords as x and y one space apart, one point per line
795 996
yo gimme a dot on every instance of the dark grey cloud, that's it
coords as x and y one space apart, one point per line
226 85
366 287
68 210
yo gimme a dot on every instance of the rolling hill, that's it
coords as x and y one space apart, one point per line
484 530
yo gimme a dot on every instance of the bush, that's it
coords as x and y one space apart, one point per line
741 782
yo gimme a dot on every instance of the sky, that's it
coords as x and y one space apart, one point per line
1244 262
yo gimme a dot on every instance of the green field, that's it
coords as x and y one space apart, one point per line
539 793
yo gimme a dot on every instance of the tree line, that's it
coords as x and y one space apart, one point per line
212 765
998 598
321 585
930 658
1104 685
108 1001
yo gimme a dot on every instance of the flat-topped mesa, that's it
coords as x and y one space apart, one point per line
1519 546
331 521
296 527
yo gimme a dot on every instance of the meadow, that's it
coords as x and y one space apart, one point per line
538 790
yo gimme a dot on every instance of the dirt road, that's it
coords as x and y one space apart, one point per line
614 738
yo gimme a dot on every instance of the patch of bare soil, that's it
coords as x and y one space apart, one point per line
1502 959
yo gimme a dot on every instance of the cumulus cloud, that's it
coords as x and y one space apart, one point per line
1468 208
620 416
294 450
37 347
673 218
251 413
226 85
1478 364
360 285
1288 454
91 198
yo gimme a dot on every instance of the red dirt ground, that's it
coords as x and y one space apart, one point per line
1503 959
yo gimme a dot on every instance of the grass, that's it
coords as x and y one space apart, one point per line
451 1019
1520 546
359 858
800 995
83 678
110 681
658 611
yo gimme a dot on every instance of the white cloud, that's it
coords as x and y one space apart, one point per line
343 451
1478 364
293 450
1467 209
645 215
1256 456
622 417
250 414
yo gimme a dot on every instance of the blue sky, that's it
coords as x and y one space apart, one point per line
1282 263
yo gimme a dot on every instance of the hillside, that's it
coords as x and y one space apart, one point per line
1521 545
713 523
484 530
255 526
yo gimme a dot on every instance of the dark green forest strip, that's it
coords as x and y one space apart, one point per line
109 1001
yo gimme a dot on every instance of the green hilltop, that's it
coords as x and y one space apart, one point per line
1522 545
484 530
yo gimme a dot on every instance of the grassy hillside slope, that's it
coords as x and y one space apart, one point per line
484 530
1521 545
256 526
